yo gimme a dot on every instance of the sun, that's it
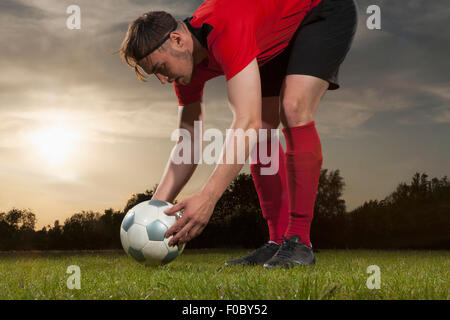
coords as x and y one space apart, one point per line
55 143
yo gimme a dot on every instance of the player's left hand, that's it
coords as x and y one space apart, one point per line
198 209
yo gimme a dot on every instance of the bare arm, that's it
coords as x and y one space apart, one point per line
244 96
176 176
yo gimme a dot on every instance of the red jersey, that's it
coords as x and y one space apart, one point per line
234 32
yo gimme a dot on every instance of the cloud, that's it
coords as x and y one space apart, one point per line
430 105
340 120
97 125
442 115
18 9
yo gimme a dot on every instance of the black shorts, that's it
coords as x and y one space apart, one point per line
317 48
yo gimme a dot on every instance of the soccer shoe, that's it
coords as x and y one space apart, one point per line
258 256
291 253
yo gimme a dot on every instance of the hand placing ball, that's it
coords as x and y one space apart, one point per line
197 210
142 233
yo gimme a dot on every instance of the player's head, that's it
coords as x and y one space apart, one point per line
157 44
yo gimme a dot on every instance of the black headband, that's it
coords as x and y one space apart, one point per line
159 44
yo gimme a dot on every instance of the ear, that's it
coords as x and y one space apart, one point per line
178 39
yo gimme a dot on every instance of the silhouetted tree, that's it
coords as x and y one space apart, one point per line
237 219
6 233
55 240
330 222
110 225
415 215
17 229
139 197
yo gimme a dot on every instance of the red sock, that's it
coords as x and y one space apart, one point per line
272 194
303 164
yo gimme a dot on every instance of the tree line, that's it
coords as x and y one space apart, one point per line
414 216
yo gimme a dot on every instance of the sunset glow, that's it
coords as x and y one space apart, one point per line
55 143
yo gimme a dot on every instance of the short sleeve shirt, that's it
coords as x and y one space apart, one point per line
235 32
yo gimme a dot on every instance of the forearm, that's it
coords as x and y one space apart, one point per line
232 160
174 179
177 173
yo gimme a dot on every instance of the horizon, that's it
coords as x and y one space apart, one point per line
121 210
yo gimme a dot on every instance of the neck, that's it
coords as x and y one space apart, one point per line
198 52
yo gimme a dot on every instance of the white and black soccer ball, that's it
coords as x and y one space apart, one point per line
142 233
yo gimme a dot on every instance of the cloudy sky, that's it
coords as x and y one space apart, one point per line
78 131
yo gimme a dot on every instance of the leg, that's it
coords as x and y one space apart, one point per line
272 189
301 95
300 98
318 49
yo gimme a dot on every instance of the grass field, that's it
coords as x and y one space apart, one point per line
200 274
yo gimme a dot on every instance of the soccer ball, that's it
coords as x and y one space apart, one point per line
142 233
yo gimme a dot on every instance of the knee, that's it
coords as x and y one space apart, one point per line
297 110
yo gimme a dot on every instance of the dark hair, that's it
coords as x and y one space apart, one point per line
144 35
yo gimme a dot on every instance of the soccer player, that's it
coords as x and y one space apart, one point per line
279 58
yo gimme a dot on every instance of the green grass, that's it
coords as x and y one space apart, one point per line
200 274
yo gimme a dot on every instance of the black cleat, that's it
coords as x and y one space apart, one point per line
292 252
259 256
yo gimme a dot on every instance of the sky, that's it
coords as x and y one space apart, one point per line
78 131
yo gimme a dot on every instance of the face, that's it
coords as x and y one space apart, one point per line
172 62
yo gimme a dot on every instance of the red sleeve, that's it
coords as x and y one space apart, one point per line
189 93
235 46
193 91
